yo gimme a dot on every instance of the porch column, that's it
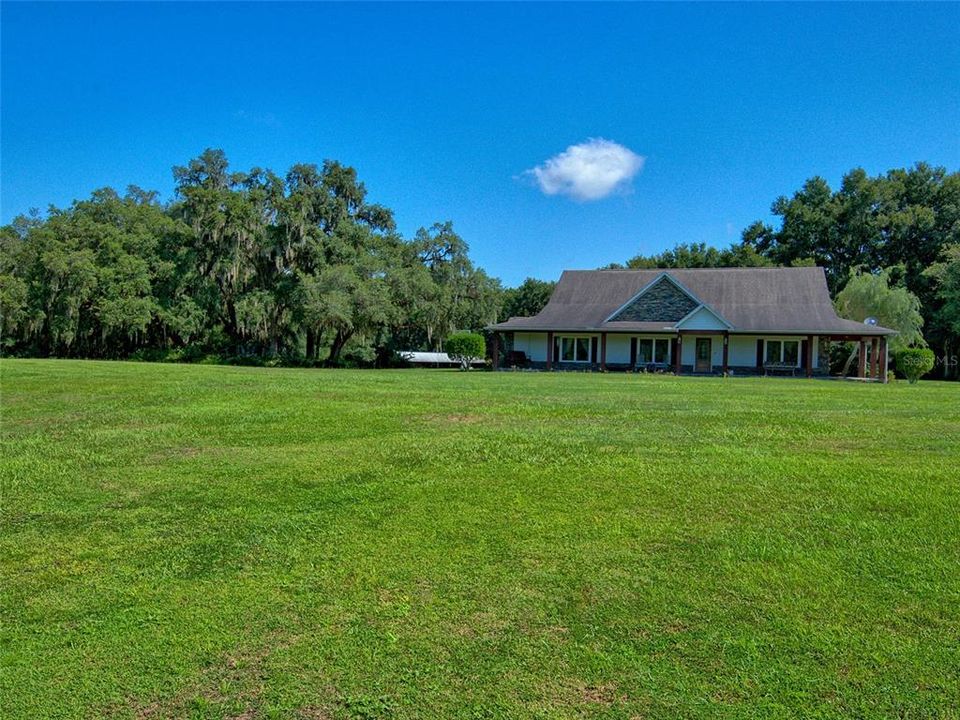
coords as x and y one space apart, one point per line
809 358
874 359
862 360
603 352
884 359
550 350
676 359
495 351
726 352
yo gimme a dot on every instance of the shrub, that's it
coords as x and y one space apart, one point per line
915 362
465 348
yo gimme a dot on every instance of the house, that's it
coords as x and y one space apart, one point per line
692 321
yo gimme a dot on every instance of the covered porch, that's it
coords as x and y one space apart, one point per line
685 352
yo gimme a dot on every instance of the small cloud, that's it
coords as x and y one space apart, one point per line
589 171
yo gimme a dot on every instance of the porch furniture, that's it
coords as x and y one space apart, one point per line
518 358
654 367
781 368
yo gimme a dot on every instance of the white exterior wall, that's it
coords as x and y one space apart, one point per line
702 319
533 344
618 349
743 350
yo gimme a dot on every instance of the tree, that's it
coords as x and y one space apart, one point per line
921 220
87 280
465 348
946 276
527 299
13 288
342 252
461 296
699 255
872 295
229 214
810 228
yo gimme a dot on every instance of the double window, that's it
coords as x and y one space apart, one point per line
652 350
575 349
786 352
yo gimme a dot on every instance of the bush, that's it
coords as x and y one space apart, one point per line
915 362
465 348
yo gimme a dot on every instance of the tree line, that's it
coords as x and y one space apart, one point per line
303 268
245 266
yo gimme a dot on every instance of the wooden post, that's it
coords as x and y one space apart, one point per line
862 360
874 359
676 359
603 352
550 351
884 360
726 352
495 354
809 358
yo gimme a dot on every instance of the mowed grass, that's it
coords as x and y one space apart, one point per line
214 542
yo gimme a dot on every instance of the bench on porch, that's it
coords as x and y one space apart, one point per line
783 368
653 367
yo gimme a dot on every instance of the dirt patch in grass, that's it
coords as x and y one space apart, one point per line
676 627
233 686
601 694
586 697
481 625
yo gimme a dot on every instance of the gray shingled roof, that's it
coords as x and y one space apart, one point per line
751 300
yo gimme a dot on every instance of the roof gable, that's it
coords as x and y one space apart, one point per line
663 300
703 318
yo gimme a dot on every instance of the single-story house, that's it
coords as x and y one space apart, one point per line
692 321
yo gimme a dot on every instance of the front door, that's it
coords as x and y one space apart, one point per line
704 351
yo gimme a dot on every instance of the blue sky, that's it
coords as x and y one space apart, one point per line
716 109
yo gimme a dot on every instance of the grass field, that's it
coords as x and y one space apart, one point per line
215 542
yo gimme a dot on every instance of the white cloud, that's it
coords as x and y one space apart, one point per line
588 171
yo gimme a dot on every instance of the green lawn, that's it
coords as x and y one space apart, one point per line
217 542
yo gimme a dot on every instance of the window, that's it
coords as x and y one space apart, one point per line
786 352
661 349
575 349
791 352
652 350
774 348
644 351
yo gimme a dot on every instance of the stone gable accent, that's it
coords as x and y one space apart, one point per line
664 302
